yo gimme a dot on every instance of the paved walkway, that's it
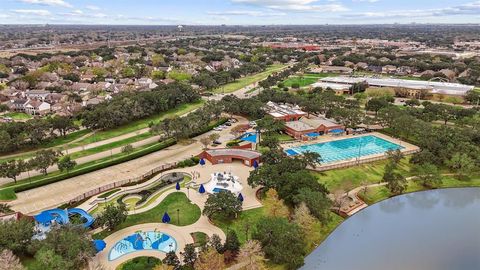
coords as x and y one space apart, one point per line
35 200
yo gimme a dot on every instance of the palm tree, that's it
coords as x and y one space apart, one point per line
5 208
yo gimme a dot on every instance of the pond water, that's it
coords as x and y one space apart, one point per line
430 230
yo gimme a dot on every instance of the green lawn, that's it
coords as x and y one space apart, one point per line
139 124
239 225
349 178
189 213
247 80
306 79
377 194
18 116
283 137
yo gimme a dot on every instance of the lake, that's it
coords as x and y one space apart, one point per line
429 230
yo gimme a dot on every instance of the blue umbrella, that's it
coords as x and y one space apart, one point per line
240 197
201 189
202 161
166 218
99 245
177 187
255 164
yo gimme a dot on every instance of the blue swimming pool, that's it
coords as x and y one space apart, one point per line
143 241
346 149
216 190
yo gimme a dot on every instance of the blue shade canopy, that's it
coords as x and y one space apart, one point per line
44 217
255 164
202 161
201 189
336 131
177 186
313 134
99 245
166 218
240 197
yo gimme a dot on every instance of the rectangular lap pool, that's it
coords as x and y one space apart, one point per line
346 149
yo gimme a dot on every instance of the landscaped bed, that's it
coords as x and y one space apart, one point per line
189 213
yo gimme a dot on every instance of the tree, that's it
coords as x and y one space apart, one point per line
231 246
66 164
251 252
270 142
5 208
303 218
376 104
62 124
396 182
44 159
46 258
428 175
8 261
172 260
274 206
210 259
224 203
214 136
412 102
282 242
12 169
462 164
189 255
65 247
216 243
205 141
113 216
16 235
128 149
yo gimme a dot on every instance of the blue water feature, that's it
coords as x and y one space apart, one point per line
346 149
139 241
216 190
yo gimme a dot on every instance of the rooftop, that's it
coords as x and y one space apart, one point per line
234 152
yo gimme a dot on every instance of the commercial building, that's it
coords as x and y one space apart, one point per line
454 89
284 112
309 128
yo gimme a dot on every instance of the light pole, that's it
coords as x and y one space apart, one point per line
178 217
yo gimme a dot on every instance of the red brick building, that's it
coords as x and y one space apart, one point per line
308 128
228 155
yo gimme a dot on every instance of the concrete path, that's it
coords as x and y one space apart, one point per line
35 200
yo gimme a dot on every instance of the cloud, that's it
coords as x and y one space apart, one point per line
471 8
37 12
368 1
91 7
57 3
294 5
253 13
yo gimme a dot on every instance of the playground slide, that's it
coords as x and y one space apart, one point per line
84 214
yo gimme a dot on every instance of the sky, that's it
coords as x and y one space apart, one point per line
238 12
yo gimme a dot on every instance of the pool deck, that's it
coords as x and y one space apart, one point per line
406 150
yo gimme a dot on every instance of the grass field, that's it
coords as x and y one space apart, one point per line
18 116
306 80
377 194
349 178
189 213
247 80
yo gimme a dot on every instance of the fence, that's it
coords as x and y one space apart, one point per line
134 180
345 164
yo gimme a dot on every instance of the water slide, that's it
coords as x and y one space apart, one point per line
61 216
84 214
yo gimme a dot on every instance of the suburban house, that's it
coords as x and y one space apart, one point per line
309 128
37 107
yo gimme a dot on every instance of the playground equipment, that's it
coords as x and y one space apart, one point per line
62 217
